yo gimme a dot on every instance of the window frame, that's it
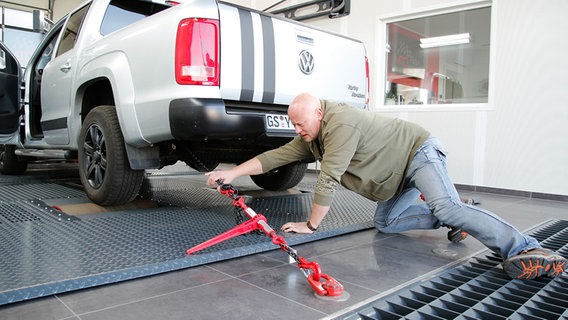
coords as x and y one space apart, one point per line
63 44
381 57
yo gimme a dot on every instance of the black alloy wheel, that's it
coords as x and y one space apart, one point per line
103 164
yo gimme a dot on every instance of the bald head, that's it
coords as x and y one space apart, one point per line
303 103
305 113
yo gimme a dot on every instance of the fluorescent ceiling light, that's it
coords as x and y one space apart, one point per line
442 41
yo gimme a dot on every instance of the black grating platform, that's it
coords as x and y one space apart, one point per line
479 289
44 251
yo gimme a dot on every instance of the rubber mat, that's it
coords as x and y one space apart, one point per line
479 289
44 251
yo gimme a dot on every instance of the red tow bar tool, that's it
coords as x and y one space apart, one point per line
323 284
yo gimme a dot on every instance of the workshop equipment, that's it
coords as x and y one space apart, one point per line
323 284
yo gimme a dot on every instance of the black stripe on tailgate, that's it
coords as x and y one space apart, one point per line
247 45
269 59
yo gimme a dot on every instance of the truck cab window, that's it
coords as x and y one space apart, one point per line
46 55
72 30
122 13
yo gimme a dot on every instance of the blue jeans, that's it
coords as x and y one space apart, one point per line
427 175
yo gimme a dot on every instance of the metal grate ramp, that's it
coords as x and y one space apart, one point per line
479 289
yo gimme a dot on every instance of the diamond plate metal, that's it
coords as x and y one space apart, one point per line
35 190
45 252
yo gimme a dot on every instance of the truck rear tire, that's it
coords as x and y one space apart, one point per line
282 178
103 164
10 163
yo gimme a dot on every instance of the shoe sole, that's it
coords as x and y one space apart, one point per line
528 266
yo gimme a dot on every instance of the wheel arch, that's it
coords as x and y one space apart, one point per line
95 93
99 93
111 72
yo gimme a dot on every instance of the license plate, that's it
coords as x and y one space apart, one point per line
278 122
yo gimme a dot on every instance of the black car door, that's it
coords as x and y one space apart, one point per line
10 99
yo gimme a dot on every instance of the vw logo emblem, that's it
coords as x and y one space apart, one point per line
306 62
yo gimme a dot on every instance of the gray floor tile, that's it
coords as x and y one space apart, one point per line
40 309
434 242
314 249
378 267
290 282
249 264
140 289
229 299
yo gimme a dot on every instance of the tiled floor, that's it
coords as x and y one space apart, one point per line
266 286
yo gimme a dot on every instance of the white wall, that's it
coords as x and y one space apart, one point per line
61 8
58 7
520 141
527 147
26 4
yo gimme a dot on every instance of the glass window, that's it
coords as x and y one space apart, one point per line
72 31
22 43
17 18
122 13
45 56
8 65
439 59
117 18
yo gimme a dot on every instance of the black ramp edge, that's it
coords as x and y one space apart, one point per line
479 289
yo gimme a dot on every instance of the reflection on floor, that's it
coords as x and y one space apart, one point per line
266 286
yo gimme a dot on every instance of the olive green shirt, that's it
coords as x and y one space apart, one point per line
363 151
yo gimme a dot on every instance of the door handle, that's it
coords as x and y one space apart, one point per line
66 67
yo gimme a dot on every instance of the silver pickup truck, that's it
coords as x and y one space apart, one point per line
127 85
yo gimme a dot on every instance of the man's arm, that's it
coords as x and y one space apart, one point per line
250 167
318 213
292 151
339 150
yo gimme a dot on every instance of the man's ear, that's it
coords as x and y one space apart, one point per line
319 113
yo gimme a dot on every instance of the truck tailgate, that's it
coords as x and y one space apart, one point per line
269 60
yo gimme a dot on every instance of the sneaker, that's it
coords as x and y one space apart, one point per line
456 234
535 263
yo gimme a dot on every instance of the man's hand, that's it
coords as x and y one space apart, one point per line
297 227
225 176
247 168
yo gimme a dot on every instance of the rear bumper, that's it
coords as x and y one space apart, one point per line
194 119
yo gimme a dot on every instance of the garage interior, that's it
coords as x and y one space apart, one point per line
66 258
63 257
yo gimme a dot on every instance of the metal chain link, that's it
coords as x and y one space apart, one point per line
197 160
239 214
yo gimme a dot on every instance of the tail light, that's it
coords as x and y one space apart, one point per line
197 52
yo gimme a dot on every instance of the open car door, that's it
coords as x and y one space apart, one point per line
10 98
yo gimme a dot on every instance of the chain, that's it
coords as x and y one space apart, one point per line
290 251
239 214
197 160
